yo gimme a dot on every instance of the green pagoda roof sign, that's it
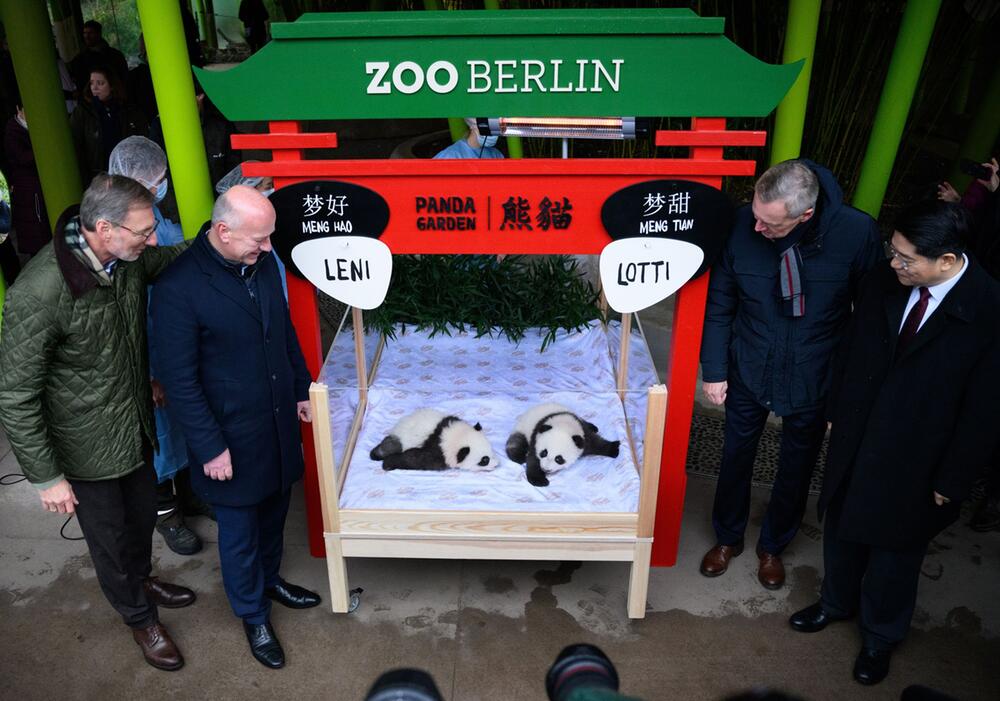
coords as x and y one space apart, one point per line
528 63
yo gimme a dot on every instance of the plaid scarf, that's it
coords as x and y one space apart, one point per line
77 242
793 301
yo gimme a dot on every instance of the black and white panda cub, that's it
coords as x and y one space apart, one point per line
431 440
549 438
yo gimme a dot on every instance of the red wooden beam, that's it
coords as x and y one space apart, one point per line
283 141
682 380
711 138
656 167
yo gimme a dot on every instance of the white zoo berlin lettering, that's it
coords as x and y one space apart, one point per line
499 76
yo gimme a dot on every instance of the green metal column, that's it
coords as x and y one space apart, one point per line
982 133
514 146
29 36
174 88
211 34
894 106
800 44
199 15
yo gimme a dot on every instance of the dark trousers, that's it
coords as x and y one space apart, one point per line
117 517
801 439
881 583
250 547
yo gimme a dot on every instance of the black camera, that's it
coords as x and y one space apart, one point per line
583 673
976 170
404 685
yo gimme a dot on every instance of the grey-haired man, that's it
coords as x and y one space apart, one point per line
75 398
779 297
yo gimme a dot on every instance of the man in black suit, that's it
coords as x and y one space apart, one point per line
914 415
237 384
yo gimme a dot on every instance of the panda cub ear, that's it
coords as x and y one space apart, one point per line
463 453
478 426
543 428
578 440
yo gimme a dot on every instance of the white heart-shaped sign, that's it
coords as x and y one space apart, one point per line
636 273
352 269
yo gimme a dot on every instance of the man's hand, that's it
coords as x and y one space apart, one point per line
940 499
220 467
305 412
59 498
159 396
716 391
946 192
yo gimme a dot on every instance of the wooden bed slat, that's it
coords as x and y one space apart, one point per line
486 523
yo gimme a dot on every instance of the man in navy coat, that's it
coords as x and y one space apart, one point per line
914 413
778 300
237 384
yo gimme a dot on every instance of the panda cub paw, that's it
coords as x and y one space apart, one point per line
517 447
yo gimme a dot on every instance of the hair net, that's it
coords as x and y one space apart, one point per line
236 177
138 158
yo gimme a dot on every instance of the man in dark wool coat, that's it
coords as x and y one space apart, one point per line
914 415
236 383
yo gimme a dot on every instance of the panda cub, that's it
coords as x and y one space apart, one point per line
549 437
430 440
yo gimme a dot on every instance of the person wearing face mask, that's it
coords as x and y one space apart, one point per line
142 160
28 216
474 145
101 120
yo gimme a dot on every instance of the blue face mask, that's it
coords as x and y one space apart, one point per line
161 191
488 141
267 192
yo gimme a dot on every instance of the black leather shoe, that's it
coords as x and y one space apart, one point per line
292 596
264 644
812 619
872 666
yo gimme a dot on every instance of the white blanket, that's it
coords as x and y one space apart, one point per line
491 381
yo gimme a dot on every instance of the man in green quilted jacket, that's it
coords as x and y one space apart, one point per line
75 397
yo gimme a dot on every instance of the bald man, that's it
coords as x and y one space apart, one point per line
237 384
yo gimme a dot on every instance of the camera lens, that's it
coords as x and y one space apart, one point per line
404 685
580 666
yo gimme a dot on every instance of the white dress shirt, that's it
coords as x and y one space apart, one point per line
938 293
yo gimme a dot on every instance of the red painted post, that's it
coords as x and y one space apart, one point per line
304 310
682 374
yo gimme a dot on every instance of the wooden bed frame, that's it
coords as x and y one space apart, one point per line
486 535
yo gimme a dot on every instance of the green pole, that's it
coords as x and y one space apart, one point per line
211 35
800 43
514 146
31 46
174 88
982 132
199 11
894 105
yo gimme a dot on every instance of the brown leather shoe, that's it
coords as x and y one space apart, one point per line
169 596
157 647
716 560
771 572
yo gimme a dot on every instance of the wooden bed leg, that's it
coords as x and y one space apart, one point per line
638 581
336 568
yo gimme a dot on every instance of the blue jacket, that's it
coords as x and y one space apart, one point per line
233 372
785 361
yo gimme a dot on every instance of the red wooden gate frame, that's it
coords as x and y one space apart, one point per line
705 164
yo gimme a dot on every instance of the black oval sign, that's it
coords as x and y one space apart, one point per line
323 208
671 209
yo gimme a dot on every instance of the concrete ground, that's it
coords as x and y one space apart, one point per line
485 630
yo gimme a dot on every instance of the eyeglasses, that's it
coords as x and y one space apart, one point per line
143 235
891 252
